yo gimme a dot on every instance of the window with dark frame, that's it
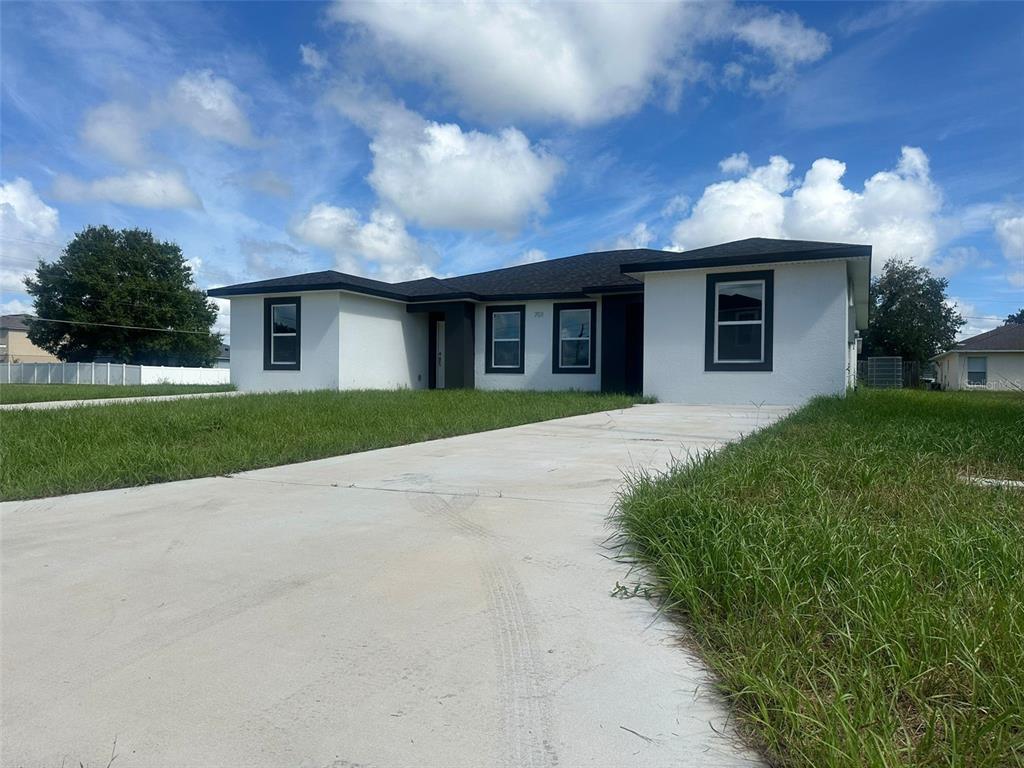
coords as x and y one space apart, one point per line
506 337
977 371
574 338
738 321
282 333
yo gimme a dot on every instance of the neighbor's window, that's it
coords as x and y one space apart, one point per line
977 371
573 350
505 339
739 322
282 334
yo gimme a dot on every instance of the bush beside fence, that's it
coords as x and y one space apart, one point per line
109 373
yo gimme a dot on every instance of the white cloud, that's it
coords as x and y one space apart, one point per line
223 322
441 176
1010 234
787 43
119 131
579 62
784 38
144 189
379 247
955 260
16 307
677 205
639 237
1009 231
976 321
312 57
896 211
531 256
265 258
210 105
28 226
736 163
265 182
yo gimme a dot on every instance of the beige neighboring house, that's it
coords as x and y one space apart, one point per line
991 360
15 346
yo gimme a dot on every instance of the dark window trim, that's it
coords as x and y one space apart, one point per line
768 276
268 313
556 341
489 340
984 381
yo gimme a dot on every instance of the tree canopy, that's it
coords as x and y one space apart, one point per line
1017 318
910 314
124 295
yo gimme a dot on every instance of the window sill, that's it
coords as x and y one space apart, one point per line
737 367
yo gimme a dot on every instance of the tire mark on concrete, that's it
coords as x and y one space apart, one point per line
523 699
452 510
526 714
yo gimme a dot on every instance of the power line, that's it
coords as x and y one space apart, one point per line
29 240
114 325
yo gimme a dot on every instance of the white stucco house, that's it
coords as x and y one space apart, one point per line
752 321
991 360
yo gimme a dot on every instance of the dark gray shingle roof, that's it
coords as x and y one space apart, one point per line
1005 337
586 273
14 322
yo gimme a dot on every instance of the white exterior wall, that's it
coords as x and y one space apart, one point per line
319 340
153 374
382 345
810 338
538 353
1005 370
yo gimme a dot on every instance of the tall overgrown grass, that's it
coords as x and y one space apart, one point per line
861 603
51 452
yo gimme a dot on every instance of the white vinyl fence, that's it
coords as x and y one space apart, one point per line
108 373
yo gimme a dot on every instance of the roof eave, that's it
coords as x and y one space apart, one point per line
248 290
818 254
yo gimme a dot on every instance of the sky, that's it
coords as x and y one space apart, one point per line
402 140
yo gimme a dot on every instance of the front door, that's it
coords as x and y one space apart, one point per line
635 348
439 355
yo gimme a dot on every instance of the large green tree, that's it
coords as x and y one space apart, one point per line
910 313
124 295
1017 318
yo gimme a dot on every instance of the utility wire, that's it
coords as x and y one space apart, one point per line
114 325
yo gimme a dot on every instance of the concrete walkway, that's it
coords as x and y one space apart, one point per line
440 604
48 404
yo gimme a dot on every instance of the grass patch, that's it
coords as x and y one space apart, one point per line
861 605
51 452
37 393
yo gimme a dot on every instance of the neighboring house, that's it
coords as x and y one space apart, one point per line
15 346
223 357
753 321
991 360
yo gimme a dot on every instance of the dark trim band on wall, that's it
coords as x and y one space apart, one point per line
768 308
268 319
489 339
556 341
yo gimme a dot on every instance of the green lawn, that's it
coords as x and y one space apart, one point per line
51 452
36 393
861 604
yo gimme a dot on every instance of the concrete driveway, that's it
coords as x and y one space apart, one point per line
440 604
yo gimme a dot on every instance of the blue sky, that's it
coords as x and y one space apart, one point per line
398 141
